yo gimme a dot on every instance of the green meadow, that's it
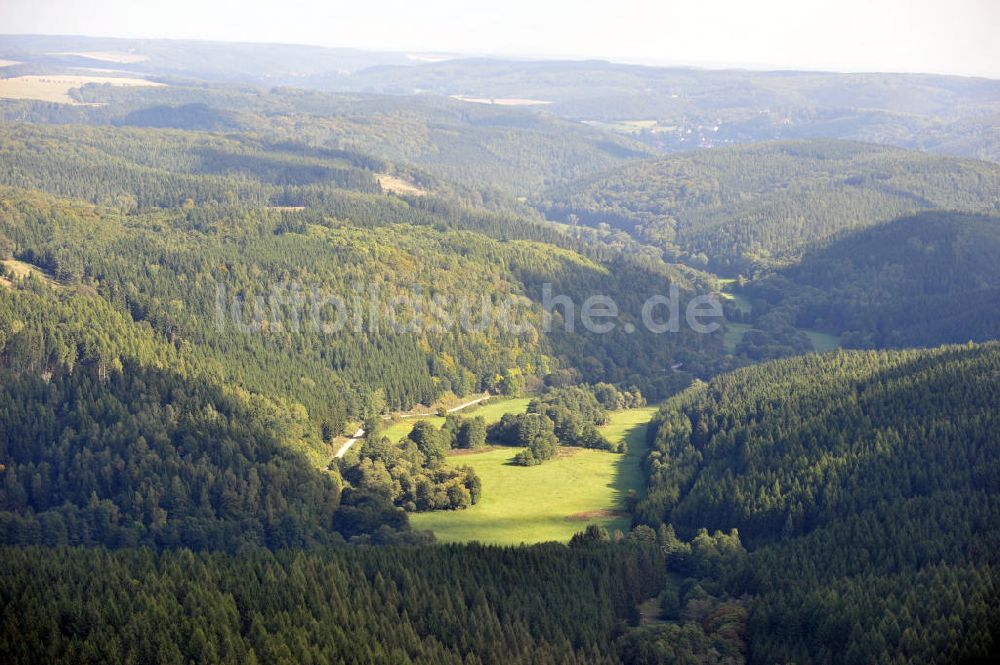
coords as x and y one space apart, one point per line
821 341
553 500
733 335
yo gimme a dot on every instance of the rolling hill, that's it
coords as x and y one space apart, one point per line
485 148
735 207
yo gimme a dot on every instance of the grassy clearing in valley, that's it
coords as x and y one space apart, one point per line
733 335
553 500
821 341
741 302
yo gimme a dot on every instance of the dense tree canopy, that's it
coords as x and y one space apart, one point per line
923 280
454 604
866 484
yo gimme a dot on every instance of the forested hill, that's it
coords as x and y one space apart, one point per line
143 168
730 208
924 280
866 484
110 434
484 148
165 268
130 169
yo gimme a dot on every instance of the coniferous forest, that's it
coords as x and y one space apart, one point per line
259 319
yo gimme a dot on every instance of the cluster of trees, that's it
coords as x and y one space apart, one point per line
772 334
734 208
565 415
576 414
454 604
612 398
697 620
866 488
535 432
465 433
412 473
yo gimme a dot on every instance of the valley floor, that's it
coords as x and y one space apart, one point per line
553 500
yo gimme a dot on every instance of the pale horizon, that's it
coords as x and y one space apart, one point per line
921 37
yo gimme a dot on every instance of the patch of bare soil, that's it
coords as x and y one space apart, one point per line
462 452
602 513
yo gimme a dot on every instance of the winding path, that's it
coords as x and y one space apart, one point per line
451 410
350 442
361 430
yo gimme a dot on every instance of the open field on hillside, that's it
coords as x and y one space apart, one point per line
553 500
8 63
391 183
492 411
117 57
56 87
20 270
500 101
632 127
401 428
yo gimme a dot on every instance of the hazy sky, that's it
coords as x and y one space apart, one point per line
946 36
